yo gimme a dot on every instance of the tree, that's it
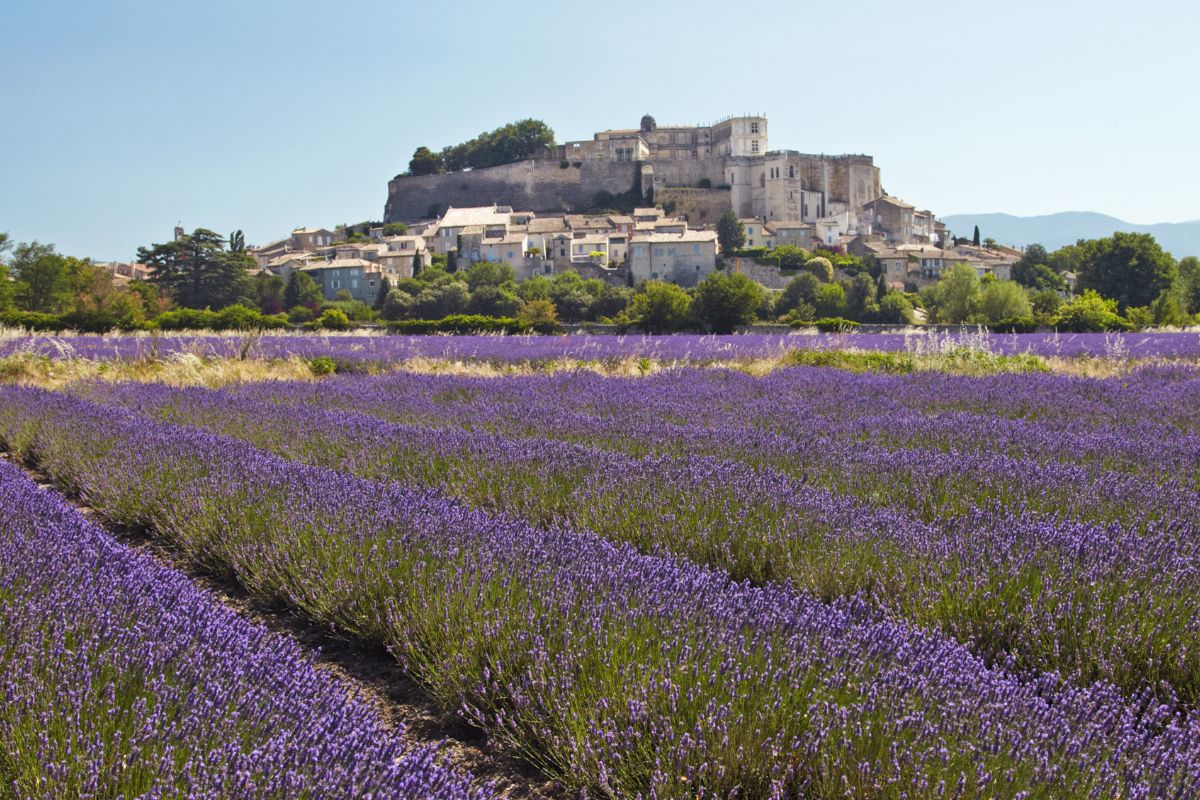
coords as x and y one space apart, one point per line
398 305
425 162
1130 268
302 290
860 297
975 238
515 141
820 266
609 302
442 300
731 234
268 293
540 313
723 301
802 289
494 301
197 271
385 288
395 229
1168 310
6 289
1189 279
1090 312
489 273
237 242
955 298
895 309
831 300
1046 304
659 307
1004 300
43 277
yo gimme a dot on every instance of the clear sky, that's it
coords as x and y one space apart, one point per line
122 117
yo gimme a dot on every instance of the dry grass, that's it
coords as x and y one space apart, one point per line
189 369
183 369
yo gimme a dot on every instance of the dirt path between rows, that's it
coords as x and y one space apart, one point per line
370 674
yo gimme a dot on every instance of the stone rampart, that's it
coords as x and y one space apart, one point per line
534 185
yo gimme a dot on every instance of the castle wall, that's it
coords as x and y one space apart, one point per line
535 185
697 206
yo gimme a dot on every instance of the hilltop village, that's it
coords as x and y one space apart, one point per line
539 215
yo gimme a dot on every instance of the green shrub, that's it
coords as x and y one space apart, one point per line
322 365
33 320
462 323
186 319
1014 325
333 320
835 325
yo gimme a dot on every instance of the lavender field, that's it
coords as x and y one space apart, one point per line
696 582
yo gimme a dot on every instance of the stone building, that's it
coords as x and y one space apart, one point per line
684 258
707 169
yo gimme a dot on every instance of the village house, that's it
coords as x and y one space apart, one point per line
683 258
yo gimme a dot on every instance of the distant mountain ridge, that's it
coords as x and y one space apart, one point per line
1052 231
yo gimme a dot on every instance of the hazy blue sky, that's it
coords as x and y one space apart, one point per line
121 118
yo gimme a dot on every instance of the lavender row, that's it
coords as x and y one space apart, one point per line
1117 599
684 349
122 679
624 674
1147 422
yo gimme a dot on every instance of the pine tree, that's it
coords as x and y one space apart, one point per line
975 238
197 270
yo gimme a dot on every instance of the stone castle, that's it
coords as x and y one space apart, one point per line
699 172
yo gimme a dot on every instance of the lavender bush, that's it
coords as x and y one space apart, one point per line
626 674
1067 544
121 679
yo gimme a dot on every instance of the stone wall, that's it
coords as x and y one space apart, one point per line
534 185
698 206
764 274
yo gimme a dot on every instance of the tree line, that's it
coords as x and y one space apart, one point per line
509 143
203 279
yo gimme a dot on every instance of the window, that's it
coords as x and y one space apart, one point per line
371 283
671 251
754 145
749 231
335 284
754 127
658 251
510 255
791 171
354 283
654 275
696 251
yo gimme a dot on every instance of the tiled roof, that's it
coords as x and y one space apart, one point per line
484 215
